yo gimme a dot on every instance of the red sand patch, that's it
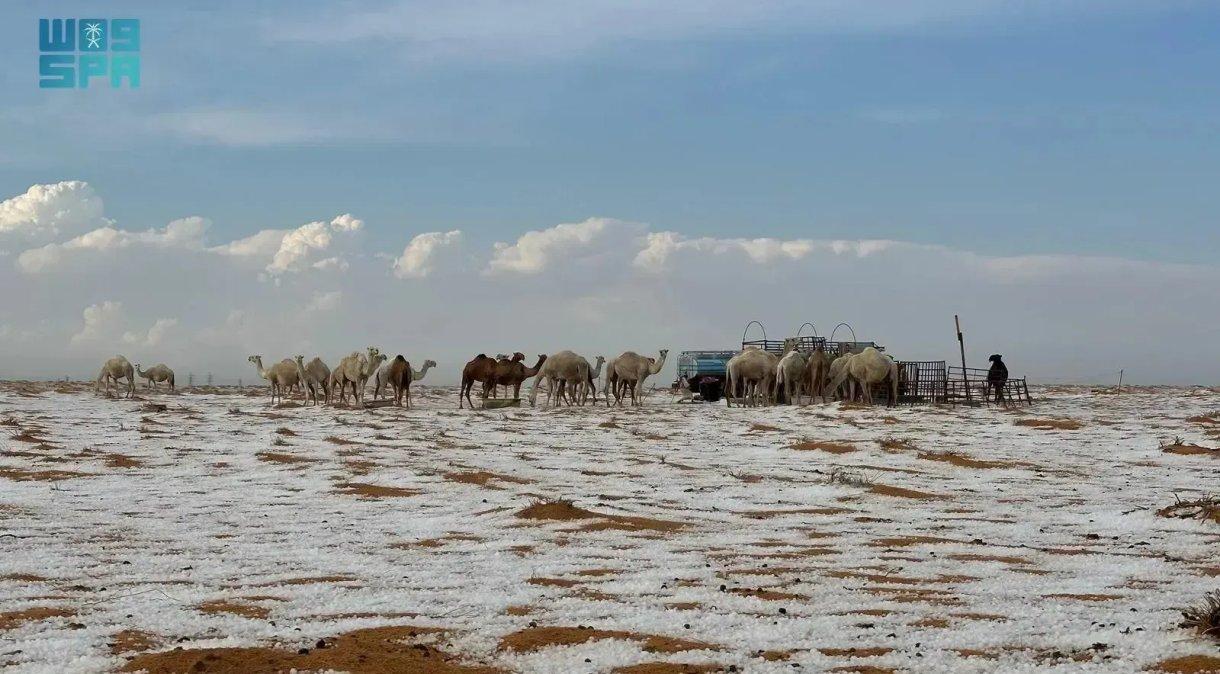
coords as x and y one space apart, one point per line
370 651
765 594
763 428
768 514
535 638
906 541
364 490
666 668
899 492
1190 450
21 475
483 478
1190 664
971 557
1050 424
552 582
821 446
234 608
13 619
132 641
278 457
564 511
122 461
962 461
855 652
1084 597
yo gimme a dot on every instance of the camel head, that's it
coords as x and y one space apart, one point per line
254 359
429 363
518 356
300 360
995 358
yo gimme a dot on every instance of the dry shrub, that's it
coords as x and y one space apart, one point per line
1199 509
1204 617
892 444
841 476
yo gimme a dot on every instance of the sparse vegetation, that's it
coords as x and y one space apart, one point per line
849 478
1204 617
1207 508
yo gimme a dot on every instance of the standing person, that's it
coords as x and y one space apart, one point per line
997 376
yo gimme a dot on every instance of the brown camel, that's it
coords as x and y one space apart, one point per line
516 372
399 376
481 369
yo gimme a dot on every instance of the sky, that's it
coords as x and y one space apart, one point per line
442 179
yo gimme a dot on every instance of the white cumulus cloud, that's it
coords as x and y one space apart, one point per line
47 211
187 233
536 251
419 258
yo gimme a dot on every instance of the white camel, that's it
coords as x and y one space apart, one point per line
631 369
817 374
611 385
565 369
593 375
790 374
870 367
282 376
354 370
754 371
115 369
381 381
155 374
314 377
839 382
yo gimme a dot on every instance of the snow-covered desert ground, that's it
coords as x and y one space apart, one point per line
819 538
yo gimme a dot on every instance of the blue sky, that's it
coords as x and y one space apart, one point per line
1081 127
1011 149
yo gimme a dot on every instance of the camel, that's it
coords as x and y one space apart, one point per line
818 366
355 369
754 370
113 370
838 378
481 369
515 373
282 376
611 381
381 381
560 370
155 374
631 369
790 374
398 375
593 374
314 377
867 368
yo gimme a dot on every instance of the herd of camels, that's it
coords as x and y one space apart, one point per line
569 377
754 376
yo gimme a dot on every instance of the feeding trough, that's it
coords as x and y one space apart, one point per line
498 403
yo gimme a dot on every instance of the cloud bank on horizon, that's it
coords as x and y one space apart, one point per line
90 288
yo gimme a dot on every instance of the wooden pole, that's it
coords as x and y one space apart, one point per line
1120 381
961 343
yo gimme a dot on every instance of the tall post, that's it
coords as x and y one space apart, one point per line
961 343
1120 381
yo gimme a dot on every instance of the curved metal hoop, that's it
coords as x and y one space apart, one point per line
811 327
842 325
747 330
